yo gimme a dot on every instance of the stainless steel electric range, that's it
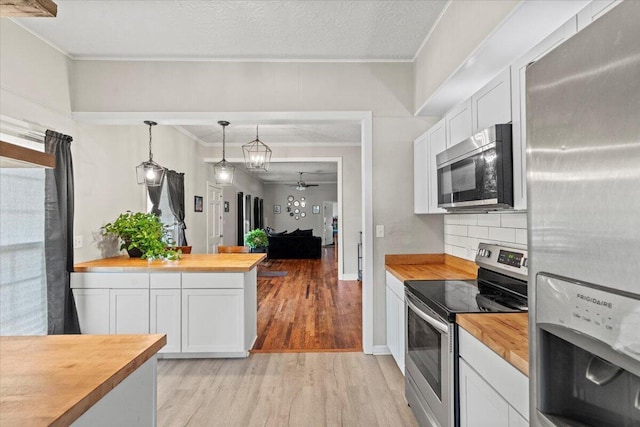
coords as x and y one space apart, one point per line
431 371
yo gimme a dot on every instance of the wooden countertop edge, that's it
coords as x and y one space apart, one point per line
84 404
509 354
171 266
412 259
436 267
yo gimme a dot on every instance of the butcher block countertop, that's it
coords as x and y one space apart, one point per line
505 333
52 380
213 263
430 267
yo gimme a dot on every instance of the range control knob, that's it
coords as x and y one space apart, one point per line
525 262
484 253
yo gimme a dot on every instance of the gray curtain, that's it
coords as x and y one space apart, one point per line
175 185
58 240
154 195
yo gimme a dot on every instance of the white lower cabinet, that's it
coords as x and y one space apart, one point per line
396 322
93 310
164 317
492 392
129 311
212 320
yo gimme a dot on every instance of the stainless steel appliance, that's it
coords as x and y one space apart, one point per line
431 357
583 144
477 173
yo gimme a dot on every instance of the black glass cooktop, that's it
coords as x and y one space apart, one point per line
448 297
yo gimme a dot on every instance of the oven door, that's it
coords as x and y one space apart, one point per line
429 360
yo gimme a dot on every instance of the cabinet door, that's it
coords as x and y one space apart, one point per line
421 174
459 123
392 324
480 405
93 310
492 104
402 333
165 317
593 11
129 311
212 320
437 144
518 107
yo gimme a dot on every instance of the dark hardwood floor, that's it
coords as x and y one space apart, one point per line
309 309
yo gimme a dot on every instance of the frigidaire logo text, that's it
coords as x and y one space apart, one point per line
595 301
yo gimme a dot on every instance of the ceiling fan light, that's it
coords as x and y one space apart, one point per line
257 155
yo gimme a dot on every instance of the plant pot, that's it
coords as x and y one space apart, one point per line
134 253
262 250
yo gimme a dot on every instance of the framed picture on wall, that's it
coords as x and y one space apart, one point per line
197 204
315 209
276 209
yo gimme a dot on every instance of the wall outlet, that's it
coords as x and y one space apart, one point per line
77 242
379 230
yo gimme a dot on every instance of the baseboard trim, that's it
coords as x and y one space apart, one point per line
350 276
380 350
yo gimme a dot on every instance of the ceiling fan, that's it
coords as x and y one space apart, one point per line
301 185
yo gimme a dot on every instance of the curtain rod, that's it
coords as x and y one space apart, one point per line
22 129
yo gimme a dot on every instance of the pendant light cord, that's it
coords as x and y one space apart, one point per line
223 137
150 152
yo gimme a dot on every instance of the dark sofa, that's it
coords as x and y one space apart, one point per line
298 244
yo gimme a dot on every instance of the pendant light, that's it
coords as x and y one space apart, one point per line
257 155
223 170
149 172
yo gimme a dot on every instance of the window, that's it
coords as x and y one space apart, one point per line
166 216
23 290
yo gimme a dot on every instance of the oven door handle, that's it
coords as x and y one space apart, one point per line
442 327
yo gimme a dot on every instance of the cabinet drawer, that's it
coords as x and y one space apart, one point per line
110 280
212 280
164 280
512 384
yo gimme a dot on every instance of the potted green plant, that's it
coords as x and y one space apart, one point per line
141 235
257 240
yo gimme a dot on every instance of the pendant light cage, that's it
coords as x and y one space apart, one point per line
223 170
149 172
257 155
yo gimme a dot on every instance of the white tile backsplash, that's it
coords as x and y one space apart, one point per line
489 220
514 220
463 232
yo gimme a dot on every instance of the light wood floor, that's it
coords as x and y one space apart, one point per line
283 389
309 309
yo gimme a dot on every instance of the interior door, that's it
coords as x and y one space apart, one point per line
214 218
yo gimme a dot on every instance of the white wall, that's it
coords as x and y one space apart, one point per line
463 232
276 194
105 158
462 27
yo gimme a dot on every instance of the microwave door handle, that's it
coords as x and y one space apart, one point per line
637 402
442 327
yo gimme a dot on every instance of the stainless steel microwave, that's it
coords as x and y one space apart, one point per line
477 173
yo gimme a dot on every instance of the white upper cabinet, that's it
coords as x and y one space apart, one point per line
518 109
492 104
594 10
421 174
437 144
459 123
425 171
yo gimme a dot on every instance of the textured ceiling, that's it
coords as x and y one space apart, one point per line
240 30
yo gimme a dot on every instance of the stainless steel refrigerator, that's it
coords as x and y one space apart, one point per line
583 174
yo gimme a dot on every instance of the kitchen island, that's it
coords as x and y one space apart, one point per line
206 304
61 380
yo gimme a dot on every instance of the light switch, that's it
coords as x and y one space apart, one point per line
379 230
77 242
